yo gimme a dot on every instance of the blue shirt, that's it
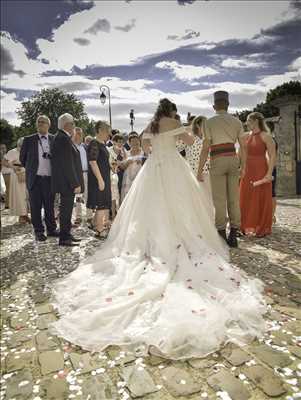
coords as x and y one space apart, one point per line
44 168
83 156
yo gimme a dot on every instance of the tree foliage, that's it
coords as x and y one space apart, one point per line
53 103
291 88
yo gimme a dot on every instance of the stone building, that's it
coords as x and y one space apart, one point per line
287 132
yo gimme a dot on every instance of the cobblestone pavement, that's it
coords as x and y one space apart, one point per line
36 365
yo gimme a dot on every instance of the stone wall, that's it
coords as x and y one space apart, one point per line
285 136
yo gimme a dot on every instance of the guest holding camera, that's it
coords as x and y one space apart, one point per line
35 157
67 176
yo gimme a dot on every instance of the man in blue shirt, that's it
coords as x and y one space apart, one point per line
82 198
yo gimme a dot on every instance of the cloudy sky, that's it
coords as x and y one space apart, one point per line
145 50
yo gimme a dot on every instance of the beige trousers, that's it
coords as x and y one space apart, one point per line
224 176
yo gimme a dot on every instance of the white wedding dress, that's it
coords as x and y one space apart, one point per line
162 278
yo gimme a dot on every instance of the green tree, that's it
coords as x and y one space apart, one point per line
88 126
7 133
53 103
292 88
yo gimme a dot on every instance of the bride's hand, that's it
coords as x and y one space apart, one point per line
200 177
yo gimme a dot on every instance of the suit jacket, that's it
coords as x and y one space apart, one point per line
66 165
29 157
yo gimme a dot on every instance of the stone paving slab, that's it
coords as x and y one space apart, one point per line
225 381
20 385
271 357
265 380
237 357
51 361
138 381
179 382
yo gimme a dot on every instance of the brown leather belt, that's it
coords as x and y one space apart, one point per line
222 149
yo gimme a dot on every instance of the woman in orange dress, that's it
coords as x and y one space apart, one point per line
256 200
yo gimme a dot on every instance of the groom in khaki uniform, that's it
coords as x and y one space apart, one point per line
221 132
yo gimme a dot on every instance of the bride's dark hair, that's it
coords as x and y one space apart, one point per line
164 109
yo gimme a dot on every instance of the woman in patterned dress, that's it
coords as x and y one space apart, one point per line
193 156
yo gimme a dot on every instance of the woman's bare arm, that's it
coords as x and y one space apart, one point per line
98 176
271 150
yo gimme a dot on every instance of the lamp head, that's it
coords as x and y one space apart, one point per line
103 97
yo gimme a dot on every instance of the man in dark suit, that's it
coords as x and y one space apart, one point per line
67 177
35 156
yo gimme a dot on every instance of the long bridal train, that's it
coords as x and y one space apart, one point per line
162 278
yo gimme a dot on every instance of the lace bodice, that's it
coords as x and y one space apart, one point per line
164 142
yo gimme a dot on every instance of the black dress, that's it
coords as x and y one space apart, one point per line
99 200
274 173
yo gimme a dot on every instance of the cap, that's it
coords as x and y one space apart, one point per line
221 95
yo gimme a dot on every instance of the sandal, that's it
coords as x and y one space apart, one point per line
103 234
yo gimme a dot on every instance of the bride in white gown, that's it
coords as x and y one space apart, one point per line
162 278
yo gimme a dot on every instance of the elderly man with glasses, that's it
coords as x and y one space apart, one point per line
35 156
67 176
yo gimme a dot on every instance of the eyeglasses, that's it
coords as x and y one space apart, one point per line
42 122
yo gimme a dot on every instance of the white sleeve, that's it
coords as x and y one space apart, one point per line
177 131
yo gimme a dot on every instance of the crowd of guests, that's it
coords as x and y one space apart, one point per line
69 179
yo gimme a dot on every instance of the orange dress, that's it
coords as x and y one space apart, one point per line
256 202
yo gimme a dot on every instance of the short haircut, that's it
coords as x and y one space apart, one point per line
101 125
64 119
43 117
117 137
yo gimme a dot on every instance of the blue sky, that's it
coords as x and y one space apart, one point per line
145 50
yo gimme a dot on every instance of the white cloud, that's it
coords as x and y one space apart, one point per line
8 106
18 53
154 23
296 66
240 63
186 73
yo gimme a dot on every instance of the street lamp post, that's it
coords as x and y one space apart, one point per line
103 99
132 118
